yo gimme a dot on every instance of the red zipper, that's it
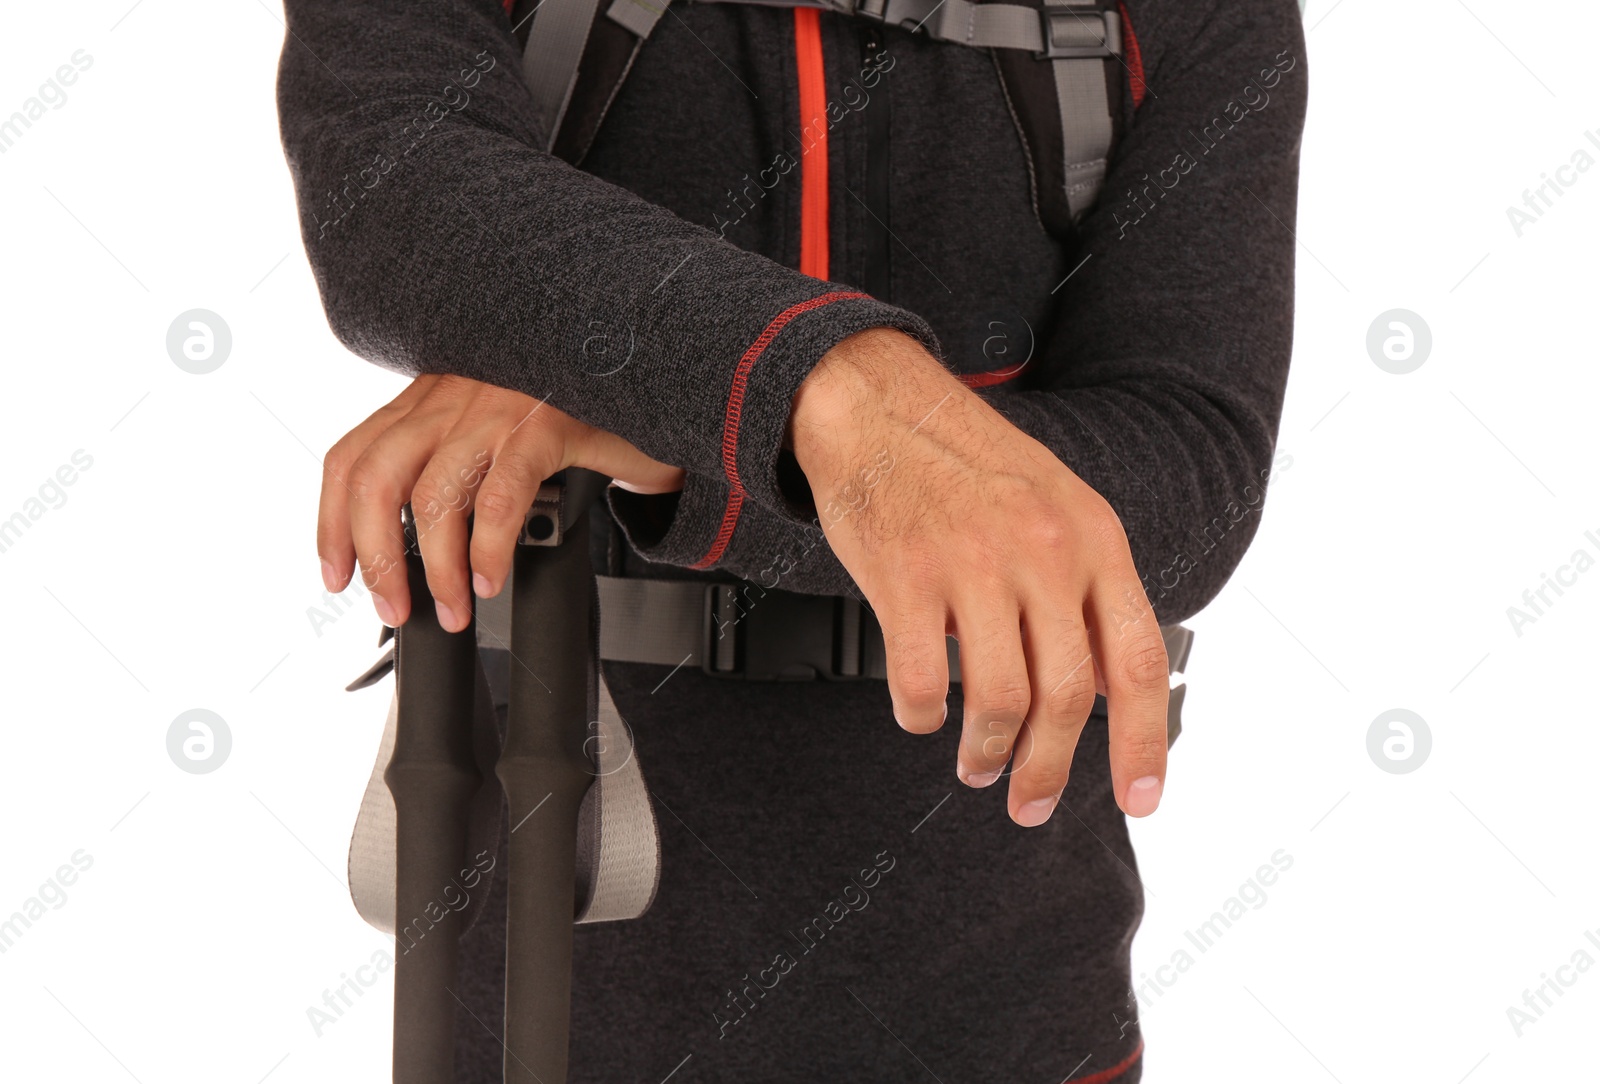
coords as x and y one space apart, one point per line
813 143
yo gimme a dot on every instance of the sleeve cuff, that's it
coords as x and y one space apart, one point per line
672 528
757 418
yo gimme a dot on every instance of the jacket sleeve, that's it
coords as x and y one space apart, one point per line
444 240
1162 381
1162 384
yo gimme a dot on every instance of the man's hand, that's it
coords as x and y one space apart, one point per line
452 446
953 521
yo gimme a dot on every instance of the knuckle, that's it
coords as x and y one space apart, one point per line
366 480
1050 777
1143 750
1004 697
919 575
496 505
1049 531
337 460
1142 666
1070 701
1104 531
915 686
525 466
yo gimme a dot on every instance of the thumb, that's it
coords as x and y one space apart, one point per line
607 453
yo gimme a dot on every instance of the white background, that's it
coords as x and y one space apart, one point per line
1418 508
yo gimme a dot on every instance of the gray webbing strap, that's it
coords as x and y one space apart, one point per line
550 62
983 26
664 622
637 16
619 844
1082 96
1075 36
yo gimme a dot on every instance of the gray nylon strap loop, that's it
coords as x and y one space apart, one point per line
619 845
998 26
659 621
1085 129
550 63
637 16
1082 98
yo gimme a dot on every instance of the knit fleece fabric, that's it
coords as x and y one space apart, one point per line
1158 344
627 293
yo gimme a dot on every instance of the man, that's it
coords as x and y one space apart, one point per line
1034 441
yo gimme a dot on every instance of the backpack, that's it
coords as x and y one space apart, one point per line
1060 64
423 848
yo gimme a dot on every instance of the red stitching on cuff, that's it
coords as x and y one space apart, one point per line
730 422
1135 58
1112 1073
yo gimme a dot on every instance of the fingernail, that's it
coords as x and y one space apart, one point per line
385 611
1143 796
330 579
447 616
1036 812
979 780
481 585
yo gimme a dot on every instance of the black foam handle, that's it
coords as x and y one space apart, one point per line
433 775
545 771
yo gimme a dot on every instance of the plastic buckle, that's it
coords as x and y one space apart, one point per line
773 635
876 10
1078 32
542 526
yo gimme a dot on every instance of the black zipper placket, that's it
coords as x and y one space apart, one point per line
875 276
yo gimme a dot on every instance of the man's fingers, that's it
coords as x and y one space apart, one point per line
609 454
1061 670
334 546
1133 657
917 662
995 692
381 482
529 455
441 502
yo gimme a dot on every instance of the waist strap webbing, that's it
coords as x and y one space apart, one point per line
743 631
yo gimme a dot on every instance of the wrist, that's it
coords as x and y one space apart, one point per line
860 378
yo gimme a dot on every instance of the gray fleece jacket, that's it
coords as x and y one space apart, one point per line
654 291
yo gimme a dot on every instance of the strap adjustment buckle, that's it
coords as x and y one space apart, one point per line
775 635
1076 30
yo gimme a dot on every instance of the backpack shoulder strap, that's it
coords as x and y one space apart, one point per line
572 42
1060 63
1067 104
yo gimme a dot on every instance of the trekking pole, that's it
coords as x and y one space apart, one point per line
545 769
432 776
